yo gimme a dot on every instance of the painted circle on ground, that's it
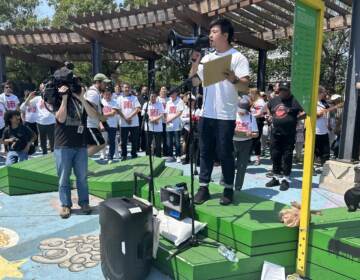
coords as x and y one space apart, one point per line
8 238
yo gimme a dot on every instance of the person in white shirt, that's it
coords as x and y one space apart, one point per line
109 109
246 130
2 121
96 141
29 113
217 123
322 142
164 99
185 119
9 99
174 108
155 113
129 107
257 110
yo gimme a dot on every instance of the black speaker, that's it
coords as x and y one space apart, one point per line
126 239
177 42
352 198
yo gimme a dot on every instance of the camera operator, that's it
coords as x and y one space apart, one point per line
96 141
70 148
217 122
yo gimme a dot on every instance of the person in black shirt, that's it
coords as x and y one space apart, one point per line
285 112
17 138
70 148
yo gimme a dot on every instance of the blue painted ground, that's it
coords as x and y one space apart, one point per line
35 218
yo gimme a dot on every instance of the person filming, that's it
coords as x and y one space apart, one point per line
218 114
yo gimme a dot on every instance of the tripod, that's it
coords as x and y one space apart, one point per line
194 240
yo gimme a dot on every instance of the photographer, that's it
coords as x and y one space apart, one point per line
96 141
17 138
70 148
217 122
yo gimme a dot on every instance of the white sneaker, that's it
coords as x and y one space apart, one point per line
102 157
178 159
110 161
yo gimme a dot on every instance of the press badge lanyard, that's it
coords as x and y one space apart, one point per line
80 129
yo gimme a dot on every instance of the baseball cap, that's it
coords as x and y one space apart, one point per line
335 97
284 85
102 78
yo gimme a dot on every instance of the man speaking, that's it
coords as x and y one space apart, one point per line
218 114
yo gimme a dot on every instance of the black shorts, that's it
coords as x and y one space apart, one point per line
94 137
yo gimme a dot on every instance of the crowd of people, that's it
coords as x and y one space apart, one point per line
229 121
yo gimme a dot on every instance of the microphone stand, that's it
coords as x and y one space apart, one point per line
194 240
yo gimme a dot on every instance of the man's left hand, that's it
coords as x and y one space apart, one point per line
230 76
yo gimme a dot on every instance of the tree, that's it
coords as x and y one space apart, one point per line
66 8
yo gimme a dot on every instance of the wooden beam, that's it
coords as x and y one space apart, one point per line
276 11
266 16
336 8
284 4
121 43
258 21
27 57
347 2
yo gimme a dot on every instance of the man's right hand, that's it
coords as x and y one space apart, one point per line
195 57
63 90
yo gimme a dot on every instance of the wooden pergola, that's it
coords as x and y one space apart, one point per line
140 33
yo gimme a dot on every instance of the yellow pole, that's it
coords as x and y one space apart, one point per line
310 124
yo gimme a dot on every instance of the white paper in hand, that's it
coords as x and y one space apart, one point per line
272 271
177 231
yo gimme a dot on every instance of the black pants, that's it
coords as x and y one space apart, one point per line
282 147
142 138
216 138
186 137
46 132
33 127
164 141
322 147
134 137
157 136
257 140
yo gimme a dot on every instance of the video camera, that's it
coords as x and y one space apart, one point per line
62 77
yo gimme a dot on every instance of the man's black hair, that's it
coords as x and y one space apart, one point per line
9 115
225 26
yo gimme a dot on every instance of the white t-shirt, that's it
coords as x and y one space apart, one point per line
127 105
30 111
154 110
163 101
185 117
173 108
2 113
45 117
107 108
11 102
322 122
258 107
220 99
244 124
93 96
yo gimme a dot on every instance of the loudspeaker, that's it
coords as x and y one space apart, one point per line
352 199
177 42
126 239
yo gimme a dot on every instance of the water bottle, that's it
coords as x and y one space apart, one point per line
229 254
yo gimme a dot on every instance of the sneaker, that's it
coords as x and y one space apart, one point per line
102 157
202 195
228 196
86 209
284 186
110 161
170 159
65 212
178 160
272 183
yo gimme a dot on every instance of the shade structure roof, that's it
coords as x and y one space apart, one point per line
137 33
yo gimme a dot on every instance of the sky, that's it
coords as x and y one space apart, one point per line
43 10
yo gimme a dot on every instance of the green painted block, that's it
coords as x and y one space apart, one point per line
251 220
205 263
335 263
316 272
171 172
248 250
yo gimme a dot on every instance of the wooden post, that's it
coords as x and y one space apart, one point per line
2 68
350 132
96 57
261 82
